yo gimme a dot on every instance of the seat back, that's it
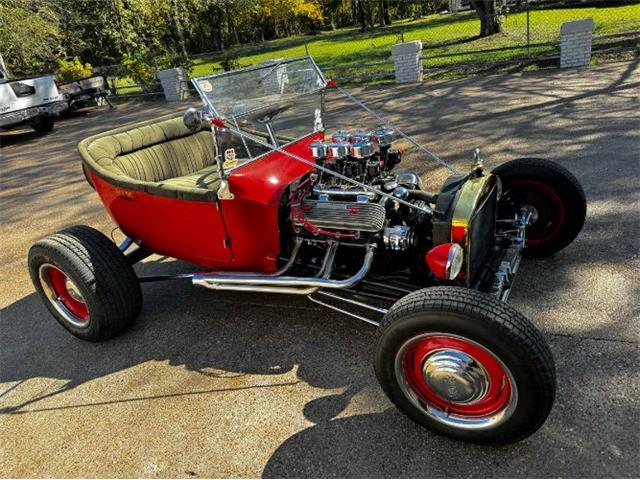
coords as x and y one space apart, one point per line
168 159
149 151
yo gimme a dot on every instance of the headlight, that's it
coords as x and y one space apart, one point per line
445 260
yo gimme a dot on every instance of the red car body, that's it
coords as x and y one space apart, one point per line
201 232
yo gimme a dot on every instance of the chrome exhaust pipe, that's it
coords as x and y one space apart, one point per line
248 282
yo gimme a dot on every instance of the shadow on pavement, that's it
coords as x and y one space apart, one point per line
255 334
188 327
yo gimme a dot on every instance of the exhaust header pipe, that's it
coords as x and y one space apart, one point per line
247 282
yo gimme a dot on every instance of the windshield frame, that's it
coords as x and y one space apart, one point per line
207 102
211 110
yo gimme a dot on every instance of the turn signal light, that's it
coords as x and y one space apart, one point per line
445 260
458 233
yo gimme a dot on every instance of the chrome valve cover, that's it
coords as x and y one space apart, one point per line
335 215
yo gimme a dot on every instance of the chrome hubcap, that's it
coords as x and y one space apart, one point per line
455 376
74 292
456 381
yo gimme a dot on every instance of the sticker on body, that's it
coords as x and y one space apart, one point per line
206 85
230 159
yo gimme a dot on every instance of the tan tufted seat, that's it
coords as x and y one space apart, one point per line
159 156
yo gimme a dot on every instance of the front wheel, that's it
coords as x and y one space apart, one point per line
551 193
465 365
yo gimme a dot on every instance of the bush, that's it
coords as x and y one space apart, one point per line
73 69
174 60
230 61
138 68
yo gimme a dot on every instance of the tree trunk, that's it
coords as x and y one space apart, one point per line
387 17
363 21
382 10
3 67
489 16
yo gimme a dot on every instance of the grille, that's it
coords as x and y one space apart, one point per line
365 217
482 232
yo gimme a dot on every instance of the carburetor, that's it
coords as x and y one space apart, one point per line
355 154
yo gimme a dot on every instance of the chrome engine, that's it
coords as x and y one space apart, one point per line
323 204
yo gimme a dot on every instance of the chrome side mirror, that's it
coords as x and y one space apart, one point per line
193 118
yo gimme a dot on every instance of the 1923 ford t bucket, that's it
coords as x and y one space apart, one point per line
253 189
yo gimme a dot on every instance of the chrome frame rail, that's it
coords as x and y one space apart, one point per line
345 312
349 301
504 276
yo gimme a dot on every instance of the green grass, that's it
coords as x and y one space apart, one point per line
439 33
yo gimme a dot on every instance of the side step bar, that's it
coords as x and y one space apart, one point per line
248 282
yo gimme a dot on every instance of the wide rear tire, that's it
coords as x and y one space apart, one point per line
555 195
463 364
85 282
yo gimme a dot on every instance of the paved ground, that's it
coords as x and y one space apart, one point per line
209 384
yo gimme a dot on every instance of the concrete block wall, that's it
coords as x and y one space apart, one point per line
407 61
173 81
276 80
459 6
575 43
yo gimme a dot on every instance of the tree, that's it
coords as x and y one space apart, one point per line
29 36
489 12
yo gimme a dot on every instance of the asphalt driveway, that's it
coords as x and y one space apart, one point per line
225 385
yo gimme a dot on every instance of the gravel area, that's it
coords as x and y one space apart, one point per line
233 385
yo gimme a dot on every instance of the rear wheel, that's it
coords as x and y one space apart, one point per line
553 195
85 282
465 365
43 124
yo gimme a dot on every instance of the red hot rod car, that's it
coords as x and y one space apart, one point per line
258 192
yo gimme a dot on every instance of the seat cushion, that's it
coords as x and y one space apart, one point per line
202 185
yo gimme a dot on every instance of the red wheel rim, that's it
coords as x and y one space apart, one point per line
549 207
497 389
64 295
